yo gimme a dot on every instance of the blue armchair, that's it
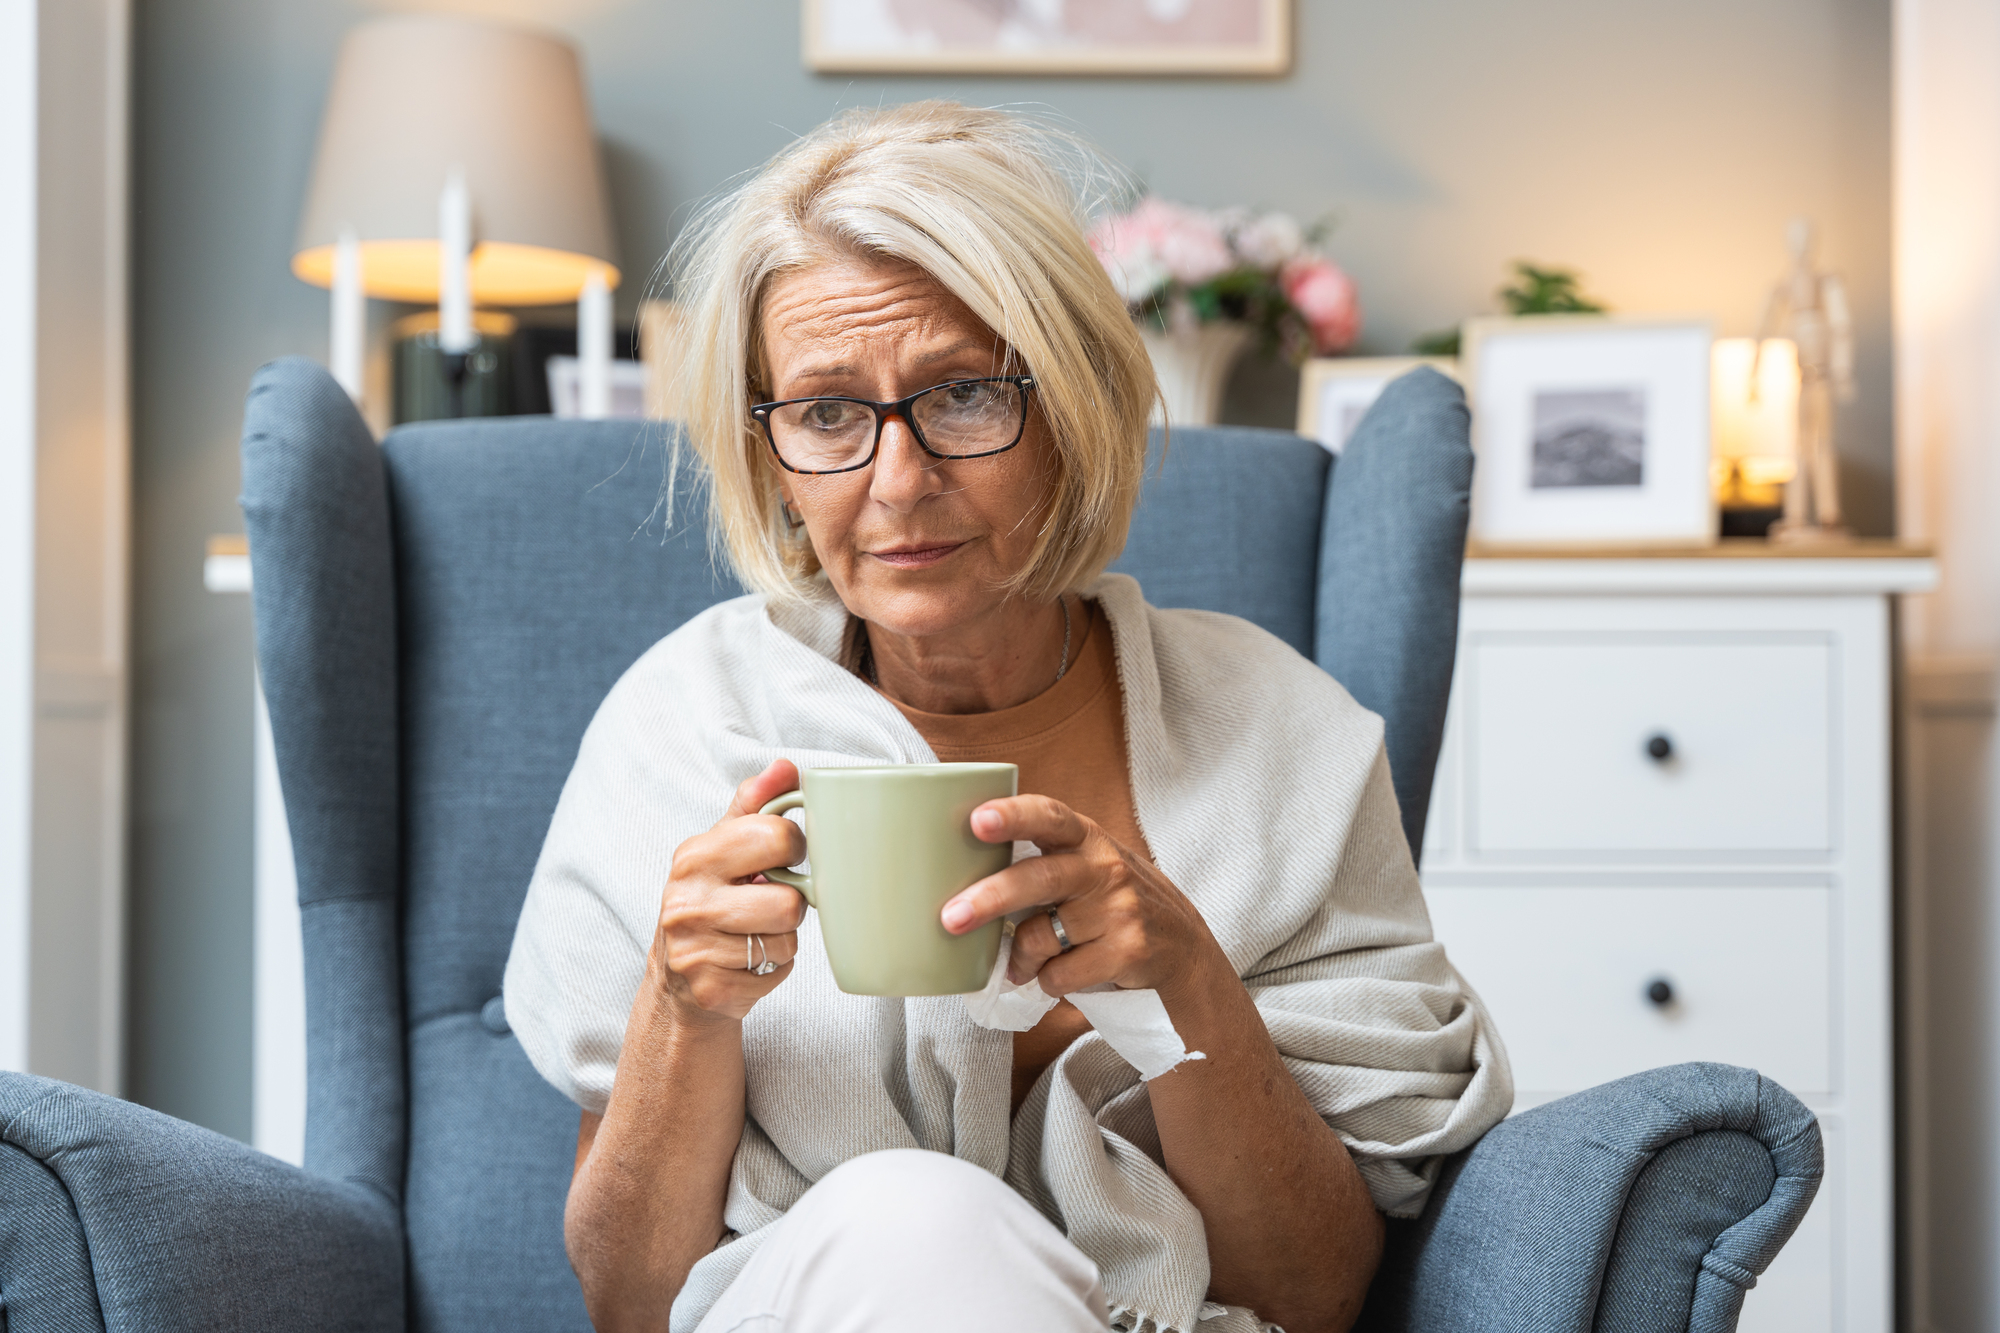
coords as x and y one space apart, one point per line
437 620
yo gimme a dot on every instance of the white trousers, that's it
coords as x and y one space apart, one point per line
911 1242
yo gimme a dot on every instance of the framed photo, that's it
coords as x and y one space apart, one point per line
1048 36
1335 392
1590 430
628 388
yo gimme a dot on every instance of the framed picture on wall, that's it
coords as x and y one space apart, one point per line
1048 36
1335 392
1590 430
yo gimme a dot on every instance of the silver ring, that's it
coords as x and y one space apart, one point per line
1062 936
764 967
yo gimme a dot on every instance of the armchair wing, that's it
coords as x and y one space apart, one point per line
116 1217
1651 1203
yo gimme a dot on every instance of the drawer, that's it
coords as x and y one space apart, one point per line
1564 973
1557 730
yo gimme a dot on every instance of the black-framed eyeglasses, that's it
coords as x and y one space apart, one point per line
956 419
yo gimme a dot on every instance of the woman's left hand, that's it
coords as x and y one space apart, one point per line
1126 922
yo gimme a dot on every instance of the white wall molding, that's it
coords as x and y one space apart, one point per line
17 512
1947 340
1950 965
66 491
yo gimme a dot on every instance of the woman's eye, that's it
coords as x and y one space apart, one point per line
829 415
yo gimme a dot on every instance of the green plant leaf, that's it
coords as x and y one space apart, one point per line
1546 291
1445 342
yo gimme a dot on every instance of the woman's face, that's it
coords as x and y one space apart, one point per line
917 545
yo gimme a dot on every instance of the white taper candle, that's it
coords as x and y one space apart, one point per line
348 336
593 347
455 265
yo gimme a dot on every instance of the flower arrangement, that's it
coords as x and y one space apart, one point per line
1178 266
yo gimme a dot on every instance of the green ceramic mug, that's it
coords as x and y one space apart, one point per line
890 845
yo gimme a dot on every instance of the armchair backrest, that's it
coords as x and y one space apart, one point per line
438 620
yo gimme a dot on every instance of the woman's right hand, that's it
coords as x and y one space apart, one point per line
717 907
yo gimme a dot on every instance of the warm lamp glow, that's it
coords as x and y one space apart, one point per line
420 102
502 274
1755 427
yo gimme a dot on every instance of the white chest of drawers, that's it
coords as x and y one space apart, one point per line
1660 832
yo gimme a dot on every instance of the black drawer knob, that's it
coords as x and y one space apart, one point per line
1660 747
1660 991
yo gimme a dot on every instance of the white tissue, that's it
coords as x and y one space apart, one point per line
1135 1022
1003 1005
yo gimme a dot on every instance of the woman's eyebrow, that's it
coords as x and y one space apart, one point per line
843 368
823 372
957 350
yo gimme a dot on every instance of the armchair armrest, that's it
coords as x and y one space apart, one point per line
118 1217
1651 1203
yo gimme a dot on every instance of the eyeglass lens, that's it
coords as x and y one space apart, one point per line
956 420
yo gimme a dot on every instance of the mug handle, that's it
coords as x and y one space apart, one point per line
791 800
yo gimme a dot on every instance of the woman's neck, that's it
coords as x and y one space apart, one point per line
1004 659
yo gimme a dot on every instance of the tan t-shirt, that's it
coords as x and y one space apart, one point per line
1069 742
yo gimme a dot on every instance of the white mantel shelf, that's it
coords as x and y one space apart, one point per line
1742 567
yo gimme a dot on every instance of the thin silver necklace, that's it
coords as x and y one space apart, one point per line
868 649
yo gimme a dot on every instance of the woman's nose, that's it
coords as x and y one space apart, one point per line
903 474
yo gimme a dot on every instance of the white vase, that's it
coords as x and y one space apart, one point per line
1193 365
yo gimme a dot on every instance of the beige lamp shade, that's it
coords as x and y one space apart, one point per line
417 96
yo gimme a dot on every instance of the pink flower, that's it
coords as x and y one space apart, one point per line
1129 256
1325 296
1190 243
1267 240
1158 242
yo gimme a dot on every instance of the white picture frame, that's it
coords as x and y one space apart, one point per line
1590 430
1225 37
629 389
1335 392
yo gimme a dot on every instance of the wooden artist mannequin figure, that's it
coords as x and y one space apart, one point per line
1810 308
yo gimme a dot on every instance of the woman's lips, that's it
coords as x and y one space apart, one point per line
916 557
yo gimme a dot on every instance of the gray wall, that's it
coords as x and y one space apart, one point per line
1658 147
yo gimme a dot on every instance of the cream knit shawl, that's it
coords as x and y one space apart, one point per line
1264 793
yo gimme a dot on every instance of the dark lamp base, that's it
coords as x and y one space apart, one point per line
1750 520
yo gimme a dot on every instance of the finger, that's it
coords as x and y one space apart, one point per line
740 848
1035 882
1042 820
738 953
739 909
1085 965
756 909
756 793
1035 943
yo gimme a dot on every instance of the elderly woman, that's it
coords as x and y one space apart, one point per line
922 409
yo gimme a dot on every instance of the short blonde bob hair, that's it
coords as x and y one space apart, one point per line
992 205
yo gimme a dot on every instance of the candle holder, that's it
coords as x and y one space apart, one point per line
432 384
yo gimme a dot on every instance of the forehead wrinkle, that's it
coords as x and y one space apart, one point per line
811 315
844 316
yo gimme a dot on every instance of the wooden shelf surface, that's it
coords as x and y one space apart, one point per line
1729 548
